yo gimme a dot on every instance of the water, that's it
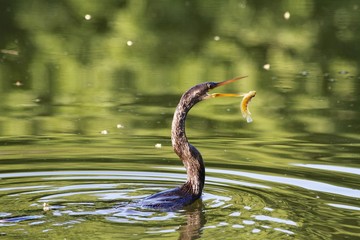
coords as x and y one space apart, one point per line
87 102
271 187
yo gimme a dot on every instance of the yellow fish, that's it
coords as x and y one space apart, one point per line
244 105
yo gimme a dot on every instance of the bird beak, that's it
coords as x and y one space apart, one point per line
229 81
214 95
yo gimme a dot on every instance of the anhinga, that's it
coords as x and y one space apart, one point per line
191 190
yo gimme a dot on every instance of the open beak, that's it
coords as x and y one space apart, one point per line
214 95
229 81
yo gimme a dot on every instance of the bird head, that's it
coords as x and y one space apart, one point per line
201 91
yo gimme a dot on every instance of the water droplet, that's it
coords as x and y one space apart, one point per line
286 15
46 207
129 43
18 83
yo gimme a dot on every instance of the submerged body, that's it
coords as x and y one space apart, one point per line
169 200
191 190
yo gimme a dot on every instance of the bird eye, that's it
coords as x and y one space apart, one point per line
211 85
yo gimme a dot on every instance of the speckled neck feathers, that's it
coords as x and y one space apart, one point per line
189 155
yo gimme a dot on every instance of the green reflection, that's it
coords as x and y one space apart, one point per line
83 53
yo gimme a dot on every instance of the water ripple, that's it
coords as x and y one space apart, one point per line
303 183
330 168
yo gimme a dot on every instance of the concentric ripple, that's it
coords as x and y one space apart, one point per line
235 200
65 199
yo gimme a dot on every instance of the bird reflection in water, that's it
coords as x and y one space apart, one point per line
195 221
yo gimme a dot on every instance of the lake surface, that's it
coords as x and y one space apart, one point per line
88 90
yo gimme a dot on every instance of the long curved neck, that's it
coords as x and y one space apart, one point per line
189 155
